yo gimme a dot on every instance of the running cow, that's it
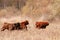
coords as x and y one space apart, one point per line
41 24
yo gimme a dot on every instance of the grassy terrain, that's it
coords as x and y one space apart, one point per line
31 10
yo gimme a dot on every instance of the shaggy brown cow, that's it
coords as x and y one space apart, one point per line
8 26
41 24
14 26
23 25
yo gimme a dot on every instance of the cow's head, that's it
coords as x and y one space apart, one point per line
26 22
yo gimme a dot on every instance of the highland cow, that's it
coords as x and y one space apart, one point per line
41 24
15 26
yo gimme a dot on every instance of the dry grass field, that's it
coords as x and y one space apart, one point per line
32 10
52 32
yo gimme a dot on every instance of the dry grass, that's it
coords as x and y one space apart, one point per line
34 10
52 32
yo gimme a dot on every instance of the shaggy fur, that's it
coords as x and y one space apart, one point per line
8 26
41 24
23 25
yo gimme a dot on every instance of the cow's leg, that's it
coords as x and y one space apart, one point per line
38 26
26 27
2 29
18 27
14 28
10 28
43 26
